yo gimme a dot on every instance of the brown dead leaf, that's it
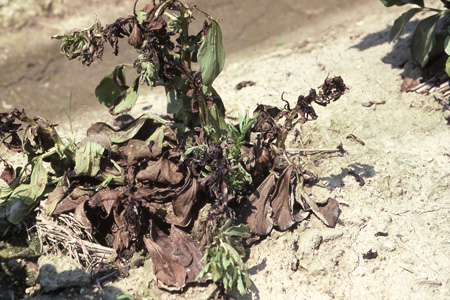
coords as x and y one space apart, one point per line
169 272
330 212
182 203
69 204
281 202
162 171
8 174
105 198
80 215
187 252
120 231
256 210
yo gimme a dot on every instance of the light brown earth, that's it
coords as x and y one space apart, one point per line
405 161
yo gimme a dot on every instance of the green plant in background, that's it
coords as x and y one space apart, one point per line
424 39
223 259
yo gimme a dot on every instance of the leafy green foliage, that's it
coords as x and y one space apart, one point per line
239 178
423 40
223 259
211 55
400 23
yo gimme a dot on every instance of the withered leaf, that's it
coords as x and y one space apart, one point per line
162 171
54 198
327 213
80 215
69 204
169 272
182 203
120 231
281 202
330 212
187 252
136 150
124 134
256 210
8 174
105 198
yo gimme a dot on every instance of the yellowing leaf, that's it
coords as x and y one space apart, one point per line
87 159
26 196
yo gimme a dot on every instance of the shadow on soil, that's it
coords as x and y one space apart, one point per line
355 169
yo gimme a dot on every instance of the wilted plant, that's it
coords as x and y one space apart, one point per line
149 178
424 39
160 61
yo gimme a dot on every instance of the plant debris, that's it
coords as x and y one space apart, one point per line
370 255
355 138
244 84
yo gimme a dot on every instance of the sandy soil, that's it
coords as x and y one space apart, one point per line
404 162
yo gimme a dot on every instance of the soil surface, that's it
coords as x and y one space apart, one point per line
393 238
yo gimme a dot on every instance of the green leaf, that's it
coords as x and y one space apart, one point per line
240 286
127 99
240 230
447 66
217 120
141 16
26 196
400 23
416 2
211 55
422 40
111 87
5 191
389 3
174 105
87 159
447 44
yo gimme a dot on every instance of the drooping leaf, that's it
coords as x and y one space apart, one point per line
187 252
58 194
162 171
122 135
25 197
87 159
127 99
256 210
281 202
183 202
422 40
111 86
211 55
400 23
170 273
